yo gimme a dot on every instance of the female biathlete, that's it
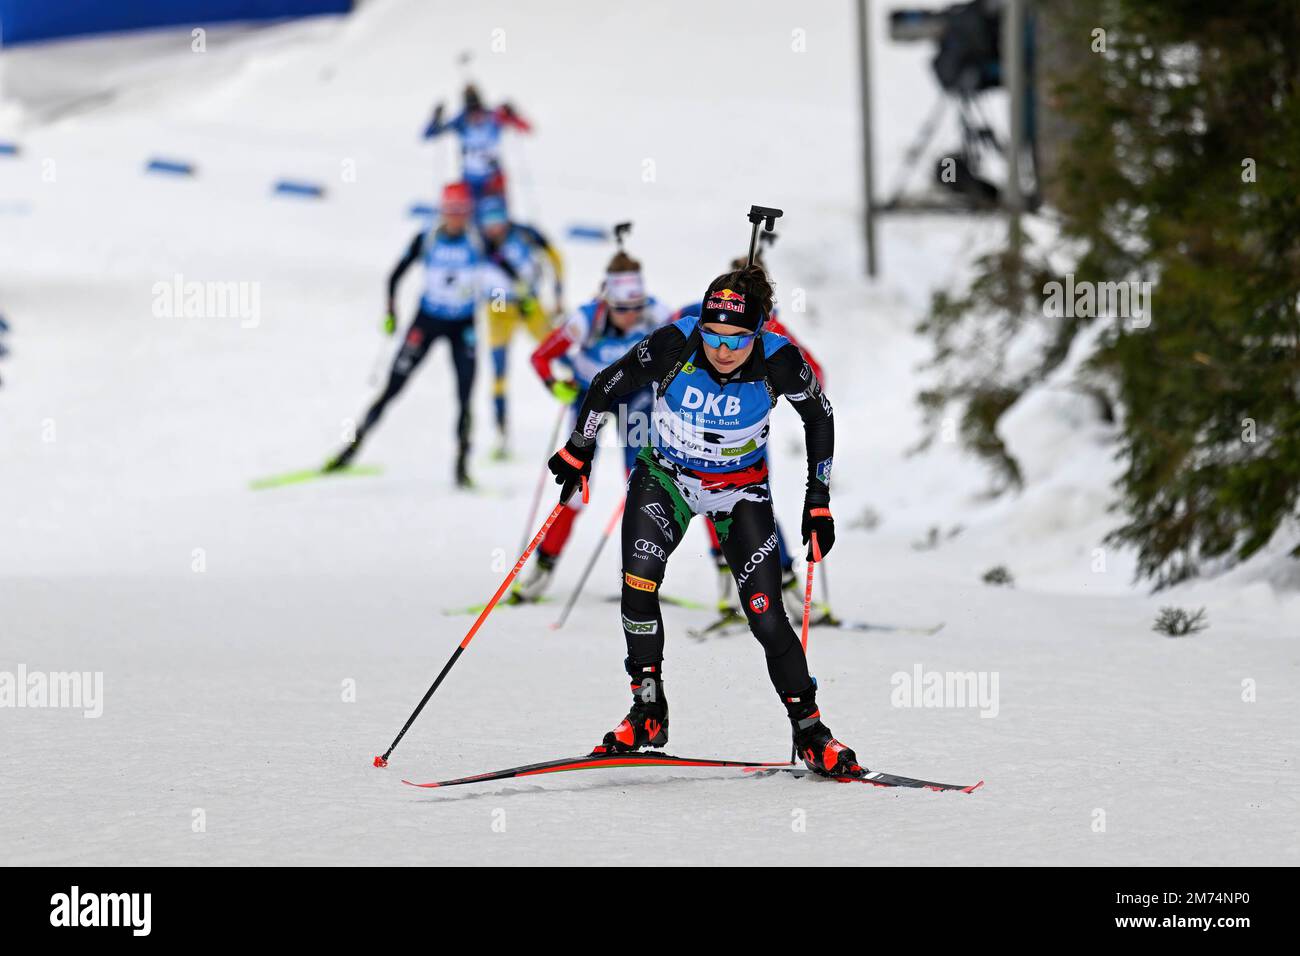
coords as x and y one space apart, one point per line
790 590
596 334
716 380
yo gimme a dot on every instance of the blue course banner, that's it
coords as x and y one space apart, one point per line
174 167
580 231
289 187
24 21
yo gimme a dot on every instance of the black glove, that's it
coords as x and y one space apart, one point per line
437 114
570 466
817 520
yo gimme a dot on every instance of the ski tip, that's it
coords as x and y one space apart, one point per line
279 481
972 788
380 762
311 474
422 786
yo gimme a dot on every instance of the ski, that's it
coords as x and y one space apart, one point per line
547 599
596 761
874 777
668 599
884 628
734 623
729 621
482 491
310 474
504 602
825 618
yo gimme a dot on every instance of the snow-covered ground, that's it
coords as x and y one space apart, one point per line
232 626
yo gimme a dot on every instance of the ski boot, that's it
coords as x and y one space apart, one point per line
646 724
343 458
502 450
534 586
813 741
462 469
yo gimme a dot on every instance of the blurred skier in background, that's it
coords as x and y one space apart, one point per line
593 336
513 297
479 129
453 263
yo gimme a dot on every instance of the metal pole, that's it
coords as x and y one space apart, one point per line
864 91
1013 47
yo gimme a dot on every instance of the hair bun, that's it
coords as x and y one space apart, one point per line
622 262
754 279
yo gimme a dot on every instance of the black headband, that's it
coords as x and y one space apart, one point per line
727 306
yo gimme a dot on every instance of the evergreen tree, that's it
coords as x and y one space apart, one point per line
1185 172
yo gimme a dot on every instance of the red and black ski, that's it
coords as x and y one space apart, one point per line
874 777
644 759
594 761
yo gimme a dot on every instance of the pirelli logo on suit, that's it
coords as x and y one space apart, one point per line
639 583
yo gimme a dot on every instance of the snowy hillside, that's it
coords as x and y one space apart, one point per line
231 625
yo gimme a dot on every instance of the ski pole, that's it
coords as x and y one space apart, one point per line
463 60
541 479
381 360
826 590
586 572
382 761
807 611
807 592
826 615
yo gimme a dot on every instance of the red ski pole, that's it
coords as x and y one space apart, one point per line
807 591
807 612
382 761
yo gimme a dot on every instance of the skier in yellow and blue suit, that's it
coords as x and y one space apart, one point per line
517 257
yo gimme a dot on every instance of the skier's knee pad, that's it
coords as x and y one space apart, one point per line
647 582
640 595
771 627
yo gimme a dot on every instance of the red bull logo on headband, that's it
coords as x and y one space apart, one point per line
727 300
